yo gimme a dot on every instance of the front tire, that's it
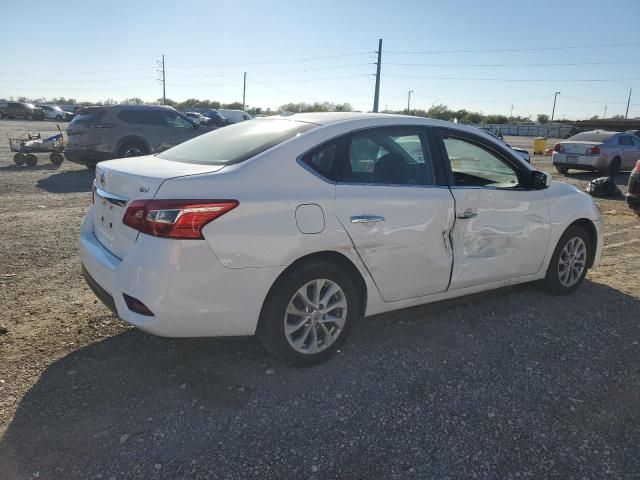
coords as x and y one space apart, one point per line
31 160
309 313
562 170
568 265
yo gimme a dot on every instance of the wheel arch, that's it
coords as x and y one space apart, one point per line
328 256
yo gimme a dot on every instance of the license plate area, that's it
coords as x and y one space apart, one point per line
572 158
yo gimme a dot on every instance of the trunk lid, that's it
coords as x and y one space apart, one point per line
578 148
119 182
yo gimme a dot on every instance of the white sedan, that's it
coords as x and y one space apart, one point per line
295 227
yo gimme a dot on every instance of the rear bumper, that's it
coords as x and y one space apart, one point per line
583 162
182 282
87 156
633 191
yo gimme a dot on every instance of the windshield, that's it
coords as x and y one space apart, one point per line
592 136
235 143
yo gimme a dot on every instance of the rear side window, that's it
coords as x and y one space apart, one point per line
89 115
235 143
624 140
143 117
398 156
323 160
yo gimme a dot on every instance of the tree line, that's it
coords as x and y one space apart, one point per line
437 111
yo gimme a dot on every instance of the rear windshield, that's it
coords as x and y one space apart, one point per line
235 143
91 114
592 136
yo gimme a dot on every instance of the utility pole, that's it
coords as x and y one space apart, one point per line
605 112
376 97
511 114
409 102
553 112
161 79
244 88
628 102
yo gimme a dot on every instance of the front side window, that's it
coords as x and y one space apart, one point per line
475 166
177 121
388 156
624 140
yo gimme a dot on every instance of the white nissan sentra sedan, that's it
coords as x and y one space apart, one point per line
294 227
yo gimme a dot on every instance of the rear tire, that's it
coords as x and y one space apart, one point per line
568 265
614 167
132 149
19 158
562 170
31 160
309 313
56 158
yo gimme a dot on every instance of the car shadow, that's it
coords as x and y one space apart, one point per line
39 166
166 408
68 181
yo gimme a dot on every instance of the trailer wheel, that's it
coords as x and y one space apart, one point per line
56 158
19 158
31 160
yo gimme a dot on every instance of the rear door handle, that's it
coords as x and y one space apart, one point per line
366 219
468 213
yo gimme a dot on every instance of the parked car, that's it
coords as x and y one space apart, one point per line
520 151
235 116
54 112
633 190
293 228
199 118
28 111
597 150
102 133
217 119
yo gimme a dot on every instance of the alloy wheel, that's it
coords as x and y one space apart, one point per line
572 262
315 316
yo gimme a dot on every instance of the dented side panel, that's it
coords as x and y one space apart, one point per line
506 235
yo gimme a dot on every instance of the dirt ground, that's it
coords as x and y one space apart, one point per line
555 382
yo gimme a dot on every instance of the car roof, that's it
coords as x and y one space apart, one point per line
385 119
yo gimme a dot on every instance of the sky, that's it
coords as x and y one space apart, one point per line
489 56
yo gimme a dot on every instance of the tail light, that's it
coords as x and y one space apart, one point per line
182 219
558 148
637 169
593 150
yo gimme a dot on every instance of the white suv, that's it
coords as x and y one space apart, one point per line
53 112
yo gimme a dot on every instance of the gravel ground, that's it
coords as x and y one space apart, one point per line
508 384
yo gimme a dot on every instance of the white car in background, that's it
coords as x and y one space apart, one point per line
54 112
234 116
198 118
293 228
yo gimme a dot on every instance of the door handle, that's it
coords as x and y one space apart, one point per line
366 219
468 213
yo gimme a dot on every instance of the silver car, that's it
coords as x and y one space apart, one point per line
598 150
106 132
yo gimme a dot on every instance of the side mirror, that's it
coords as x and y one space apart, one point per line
539 180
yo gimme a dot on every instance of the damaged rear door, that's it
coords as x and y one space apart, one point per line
501 228
396 212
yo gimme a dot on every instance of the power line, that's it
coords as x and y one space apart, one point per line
278 72
270 62
573 64
501 50
519 79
